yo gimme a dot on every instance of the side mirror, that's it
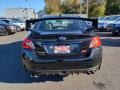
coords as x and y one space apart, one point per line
29 25
93 28
89 29
92 24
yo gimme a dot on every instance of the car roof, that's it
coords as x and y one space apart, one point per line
5 19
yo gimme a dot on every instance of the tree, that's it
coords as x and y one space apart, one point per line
52 6
71 7
113 7
96 8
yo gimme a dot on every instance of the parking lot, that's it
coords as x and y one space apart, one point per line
13 77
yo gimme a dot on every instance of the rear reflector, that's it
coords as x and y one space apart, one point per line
96 42
28 44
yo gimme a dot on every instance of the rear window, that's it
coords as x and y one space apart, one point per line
7 21
15 21
61 24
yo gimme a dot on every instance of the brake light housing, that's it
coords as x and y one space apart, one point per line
28 44
95 42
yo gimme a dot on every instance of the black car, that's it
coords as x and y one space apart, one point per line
61 45
11 29
115 27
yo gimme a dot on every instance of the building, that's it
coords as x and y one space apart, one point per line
22 13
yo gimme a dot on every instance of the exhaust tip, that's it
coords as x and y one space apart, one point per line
34 76
90 72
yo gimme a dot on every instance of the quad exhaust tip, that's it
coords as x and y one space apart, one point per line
34 76
90 72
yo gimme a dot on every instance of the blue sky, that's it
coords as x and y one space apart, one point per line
36 4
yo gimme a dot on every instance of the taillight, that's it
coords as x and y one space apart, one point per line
28 44
96 42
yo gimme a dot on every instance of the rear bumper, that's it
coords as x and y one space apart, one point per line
68 65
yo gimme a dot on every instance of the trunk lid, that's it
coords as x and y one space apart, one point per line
62 44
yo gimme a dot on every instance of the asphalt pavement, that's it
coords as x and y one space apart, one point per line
13 77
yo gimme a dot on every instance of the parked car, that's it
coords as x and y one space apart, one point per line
3 31
102 25
101 18
20 24
11 29
115 27
61 49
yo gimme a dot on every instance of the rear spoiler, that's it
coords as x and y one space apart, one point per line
94 21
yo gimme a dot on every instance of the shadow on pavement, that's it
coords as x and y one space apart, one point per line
11 70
